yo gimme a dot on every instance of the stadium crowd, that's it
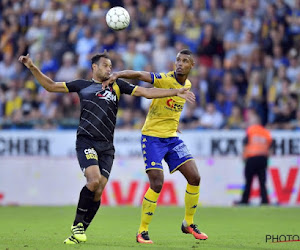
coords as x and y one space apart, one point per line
246 52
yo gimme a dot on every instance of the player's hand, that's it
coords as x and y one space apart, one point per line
112 78
187 95
26 60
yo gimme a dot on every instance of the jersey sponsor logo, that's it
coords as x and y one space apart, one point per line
172 105
90 153
107 95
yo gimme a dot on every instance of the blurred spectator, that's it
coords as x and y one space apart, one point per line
293 69
279 57
232 38
295 124
274 90
268 72
227 16
3 88
235 120
26 17
255 61
191 32
121 44
163 55
295 88
6 40
247 46
251 22
229 89
223 105
208 46
285 107
13 100
211 118
238 75
57 42
282 9
83 47
159 19
49 64
293 20
77 30
143 45
35 36
215 75
52 14
255 93
48 107
270 20
189 119
177 14
68 69
133 59
7 68
212 14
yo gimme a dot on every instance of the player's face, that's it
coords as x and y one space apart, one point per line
102 70
183 64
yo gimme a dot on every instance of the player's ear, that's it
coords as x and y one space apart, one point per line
192 63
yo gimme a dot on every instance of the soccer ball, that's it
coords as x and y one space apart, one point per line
117 18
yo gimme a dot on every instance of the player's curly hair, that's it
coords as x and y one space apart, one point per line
96 58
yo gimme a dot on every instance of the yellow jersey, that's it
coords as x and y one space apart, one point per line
164 113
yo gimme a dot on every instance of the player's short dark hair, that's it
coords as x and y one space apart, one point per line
186 52
96 58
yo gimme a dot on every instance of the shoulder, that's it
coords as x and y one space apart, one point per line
81 81
170 74
162 75
77 85
188 83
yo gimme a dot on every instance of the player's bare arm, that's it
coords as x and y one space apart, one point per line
151 93
44 80
128 74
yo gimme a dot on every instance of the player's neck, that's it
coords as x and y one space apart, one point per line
97 80
180 78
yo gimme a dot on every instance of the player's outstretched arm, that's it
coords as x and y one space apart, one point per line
44 80
128 74
151 93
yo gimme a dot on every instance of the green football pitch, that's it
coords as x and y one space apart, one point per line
115 228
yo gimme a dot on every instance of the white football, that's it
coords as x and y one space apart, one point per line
117 18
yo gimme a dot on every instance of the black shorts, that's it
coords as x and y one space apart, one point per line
91 152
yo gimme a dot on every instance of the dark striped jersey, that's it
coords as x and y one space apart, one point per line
98 107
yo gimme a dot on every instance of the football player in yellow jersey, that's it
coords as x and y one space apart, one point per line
160 141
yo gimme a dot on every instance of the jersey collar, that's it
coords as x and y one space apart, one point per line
96 81
177 79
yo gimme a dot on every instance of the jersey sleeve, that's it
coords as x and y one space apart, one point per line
126 87
158 79
76 85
